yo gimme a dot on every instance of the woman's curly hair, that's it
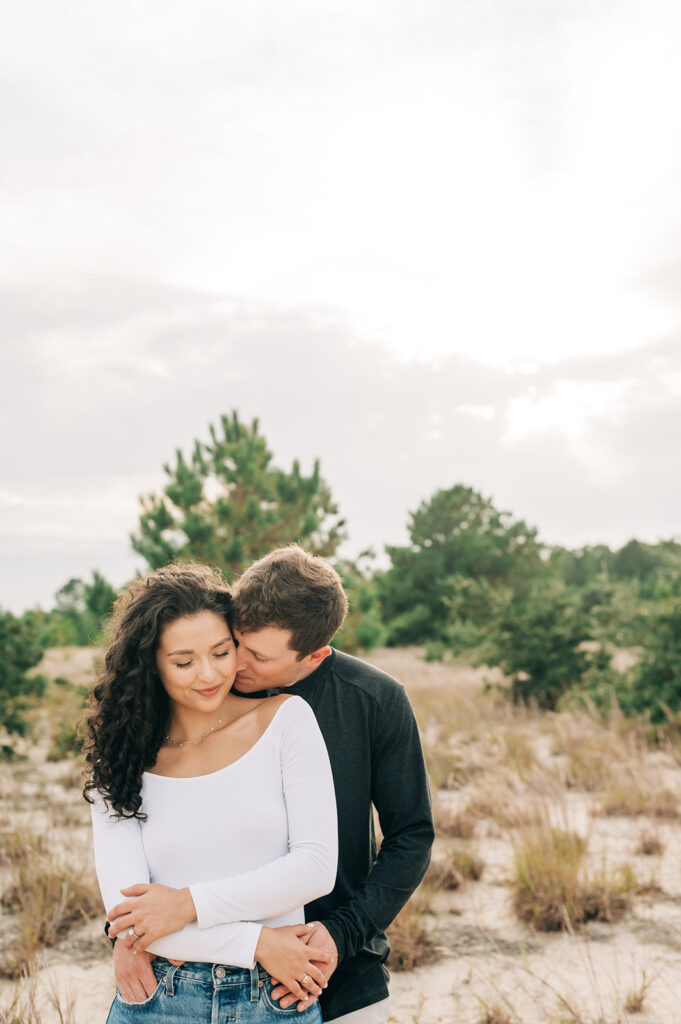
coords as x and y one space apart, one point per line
129 709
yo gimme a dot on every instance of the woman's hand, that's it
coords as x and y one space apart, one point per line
318 937
285 956
153 911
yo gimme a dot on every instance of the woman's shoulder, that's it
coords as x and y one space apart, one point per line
281 707
289 704
286 714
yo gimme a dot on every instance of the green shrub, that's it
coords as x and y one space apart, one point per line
656 685
20 650
435 650
65 741
538 644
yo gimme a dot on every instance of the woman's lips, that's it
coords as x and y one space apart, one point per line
210 691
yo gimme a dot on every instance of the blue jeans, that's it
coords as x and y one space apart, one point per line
208 994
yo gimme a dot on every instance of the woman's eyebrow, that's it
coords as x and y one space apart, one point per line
225 640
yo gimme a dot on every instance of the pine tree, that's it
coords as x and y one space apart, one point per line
20 649
227 505
463 551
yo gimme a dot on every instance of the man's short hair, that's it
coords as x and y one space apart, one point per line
291 589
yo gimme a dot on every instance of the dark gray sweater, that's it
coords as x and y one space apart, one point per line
375 752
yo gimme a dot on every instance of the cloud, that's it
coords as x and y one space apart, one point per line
112 377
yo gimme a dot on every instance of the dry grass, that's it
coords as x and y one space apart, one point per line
500 803
636 997
649 844
453 869
595 749
445 768
453 824
24 1008
20 847
551 888
496 1015
443 875
410 941
589 770
72 777
629 798
46 898
468 864
71 815
519 754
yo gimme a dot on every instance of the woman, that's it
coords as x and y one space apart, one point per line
224 803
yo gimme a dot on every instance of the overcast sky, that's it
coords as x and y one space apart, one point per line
428 242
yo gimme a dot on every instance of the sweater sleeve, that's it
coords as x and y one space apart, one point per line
308 870
399 792
120 862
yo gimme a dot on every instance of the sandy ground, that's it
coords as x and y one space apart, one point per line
487 966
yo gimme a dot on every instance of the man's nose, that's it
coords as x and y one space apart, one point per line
241 659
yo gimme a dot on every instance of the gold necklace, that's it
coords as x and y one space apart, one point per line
220 724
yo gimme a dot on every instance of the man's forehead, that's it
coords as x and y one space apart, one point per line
270 641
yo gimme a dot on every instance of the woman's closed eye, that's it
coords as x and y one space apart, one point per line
186 664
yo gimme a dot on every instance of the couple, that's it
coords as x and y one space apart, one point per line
208 780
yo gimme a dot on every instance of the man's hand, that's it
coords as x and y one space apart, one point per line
135 979
287 954
153 911
320 938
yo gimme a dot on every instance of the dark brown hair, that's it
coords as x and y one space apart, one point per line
291 589
129 707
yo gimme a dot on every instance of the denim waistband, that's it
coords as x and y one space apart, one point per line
213 975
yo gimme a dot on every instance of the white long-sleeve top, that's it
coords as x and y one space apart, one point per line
254 841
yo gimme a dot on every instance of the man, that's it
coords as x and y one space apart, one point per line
287 607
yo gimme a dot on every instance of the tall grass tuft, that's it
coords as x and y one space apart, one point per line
631 799
649 844
410 941
636 997
519 754
25 1009
47 897
496 1015
453 824
551 891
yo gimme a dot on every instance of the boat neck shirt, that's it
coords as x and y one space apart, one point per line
254 841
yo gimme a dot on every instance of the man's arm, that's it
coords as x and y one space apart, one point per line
400 794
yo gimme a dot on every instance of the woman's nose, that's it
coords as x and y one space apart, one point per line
207 670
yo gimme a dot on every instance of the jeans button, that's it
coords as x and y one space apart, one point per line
220 972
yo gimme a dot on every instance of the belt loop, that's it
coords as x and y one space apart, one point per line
170 978
255 986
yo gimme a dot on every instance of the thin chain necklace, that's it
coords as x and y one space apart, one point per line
220 724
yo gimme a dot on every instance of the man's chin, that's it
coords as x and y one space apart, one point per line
246 685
